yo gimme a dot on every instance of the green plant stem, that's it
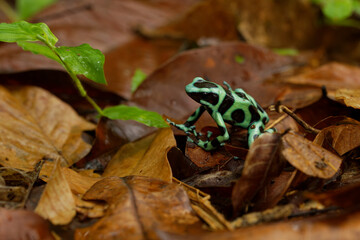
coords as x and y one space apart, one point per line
77 82
8 10
82 90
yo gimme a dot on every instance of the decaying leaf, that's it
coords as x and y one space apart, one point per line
341 138
332 226
274 191
78 183
351 97
36 125
57 203
145 157
346 197
140 207
22 225
308 157
332 75
262 164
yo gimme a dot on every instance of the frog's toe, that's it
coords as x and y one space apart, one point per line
171 122
271 130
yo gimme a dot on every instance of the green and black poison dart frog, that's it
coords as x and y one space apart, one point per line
234 107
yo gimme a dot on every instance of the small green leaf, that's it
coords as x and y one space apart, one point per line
137 79
337 9
356 6
123 112
28 8
39 49
24 31
239 59
286 51
84 60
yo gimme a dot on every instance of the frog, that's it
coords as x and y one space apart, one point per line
224 105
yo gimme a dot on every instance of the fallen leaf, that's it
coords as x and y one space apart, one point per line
107 26
22 225
308 157
331 226
274 191
351 97
145 157
276 24
36 125
57 203
346 197
78 183
262 164
139 207
181 166
341 138
332 75
204 159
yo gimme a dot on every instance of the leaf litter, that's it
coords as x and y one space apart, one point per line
131 192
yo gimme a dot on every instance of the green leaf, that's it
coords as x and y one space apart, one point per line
239 59
28 8
123 112
39 49
24 31
84 60
286 51
137 79
337 9
356 6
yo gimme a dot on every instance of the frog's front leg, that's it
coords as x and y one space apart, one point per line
218 141
188 127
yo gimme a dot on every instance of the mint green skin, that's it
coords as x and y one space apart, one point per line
225 105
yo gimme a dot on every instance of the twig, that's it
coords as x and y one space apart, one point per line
281 108
34 176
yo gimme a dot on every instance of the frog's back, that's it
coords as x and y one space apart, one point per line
244 110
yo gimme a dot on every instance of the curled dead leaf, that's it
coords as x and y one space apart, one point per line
57 203
309 157
350 97
139 207
23 225
36 125
341 138
262 164
145 157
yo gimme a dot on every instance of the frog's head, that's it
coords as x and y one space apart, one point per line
202 90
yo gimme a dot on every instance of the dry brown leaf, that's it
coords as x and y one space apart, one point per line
345 197
331 226
146 157
332 75
79 183
262 164
23 225
36 125
308 157
350 97
57 203
139 207
341 138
